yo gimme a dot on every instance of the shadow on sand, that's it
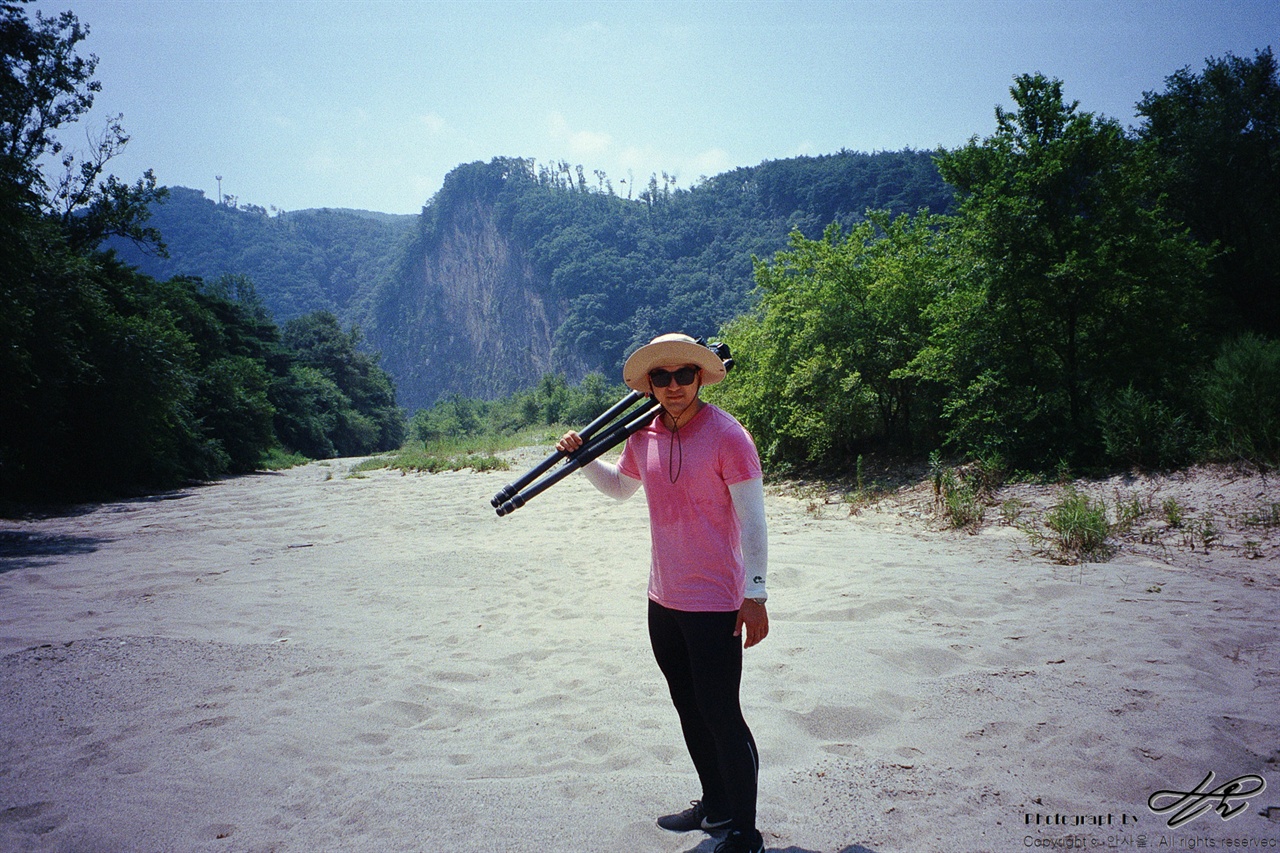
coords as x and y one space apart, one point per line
22 550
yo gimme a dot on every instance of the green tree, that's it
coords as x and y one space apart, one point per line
553 398
1214 140
45 85
454 417
102 397
592 396
1079 285
97 372
824 364
369 420
235 411
235 350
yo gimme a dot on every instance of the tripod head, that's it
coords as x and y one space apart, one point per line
721 349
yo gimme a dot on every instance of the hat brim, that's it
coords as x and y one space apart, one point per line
668 353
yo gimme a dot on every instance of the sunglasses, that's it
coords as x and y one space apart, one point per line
684 376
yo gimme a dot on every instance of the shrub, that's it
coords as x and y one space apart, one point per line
232 402
1242 401
280 459
989 473
1137 430
435 464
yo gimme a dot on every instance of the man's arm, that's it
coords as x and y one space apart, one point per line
605 476
748 503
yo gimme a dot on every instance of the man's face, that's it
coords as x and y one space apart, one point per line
674 397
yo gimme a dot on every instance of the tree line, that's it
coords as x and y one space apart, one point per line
116 381
553 402
1099 298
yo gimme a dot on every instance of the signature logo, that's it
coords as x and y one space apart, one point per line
1189 805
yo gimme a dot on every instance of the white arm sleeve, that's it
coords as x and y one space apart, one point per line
609 479
748 503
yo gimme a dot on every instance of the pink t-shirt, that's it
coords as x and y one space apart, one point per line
697 554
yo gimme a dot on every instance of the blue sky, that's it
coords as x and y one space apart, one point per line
370 103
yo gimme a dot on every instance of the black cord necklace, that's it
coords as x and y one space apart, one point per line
676 445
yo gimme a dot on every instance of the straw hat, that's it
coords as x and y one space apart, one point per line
668 350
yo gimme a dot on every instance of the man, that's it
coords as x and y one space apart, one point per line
702 481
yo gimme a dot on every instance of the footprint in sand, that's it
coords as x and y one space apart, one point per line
36 819
219 830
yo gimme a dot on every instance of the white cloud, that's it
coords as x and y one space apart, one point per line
580 143
637 158
713 161
587 143
434 124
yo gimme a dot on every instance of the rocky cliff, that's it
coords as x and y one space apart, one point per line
467 314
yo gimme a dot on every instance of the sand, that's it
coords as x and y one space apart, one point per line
310 661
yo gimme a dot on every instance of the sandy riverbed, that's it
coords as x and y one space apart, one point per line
307 661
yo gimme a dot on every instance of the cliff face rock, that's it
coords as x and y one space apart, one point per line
467 315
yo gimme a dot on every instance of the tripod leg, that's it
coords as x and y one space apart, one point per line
509 490
584 455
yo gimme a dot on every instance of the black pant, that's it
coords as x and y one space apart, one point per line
702 662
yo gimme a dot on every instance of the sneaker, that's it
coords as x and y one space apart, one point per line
694 817
738 841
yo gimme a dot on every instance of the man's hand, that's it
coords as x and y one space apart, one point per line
569 442
755 618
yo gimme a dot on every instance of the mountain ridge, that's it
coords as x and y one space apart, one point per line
515 269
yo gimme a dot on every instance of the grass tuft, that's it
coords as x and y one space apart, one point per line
279 459
1080 527
960 499
459 453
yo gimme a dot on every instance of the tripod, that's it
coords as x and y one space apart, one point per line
615 425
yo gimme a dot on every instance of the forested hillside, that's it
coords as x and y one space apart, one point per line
517 269
299 261
1098 298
